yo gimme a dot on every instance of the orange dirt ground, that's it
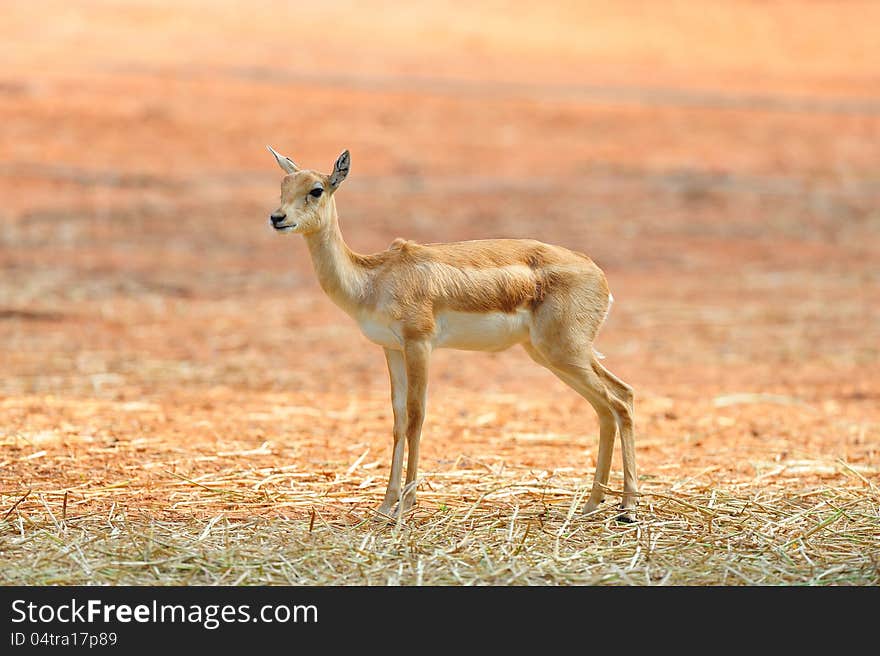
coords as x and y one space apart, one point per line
721 164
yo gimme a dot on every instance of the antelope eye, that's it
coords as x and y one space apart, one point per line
316 192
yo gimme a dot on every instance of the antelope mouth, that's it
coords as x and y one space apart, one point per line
285 228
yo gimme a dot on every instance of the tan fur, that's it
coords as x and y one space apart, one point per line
407 296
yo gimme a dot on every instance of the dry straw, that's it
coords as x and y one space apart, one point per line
476 525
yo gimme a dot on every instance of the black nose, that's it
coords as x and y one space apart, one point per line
277 217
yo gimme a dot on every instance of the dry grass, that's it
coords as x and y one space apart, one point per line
192 490
201 497
476 525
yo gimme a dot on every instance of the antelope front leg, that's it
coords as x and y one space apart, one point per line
417 355
397 373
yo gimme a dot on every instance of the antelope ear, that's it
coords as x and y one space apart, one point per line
340 170
287 165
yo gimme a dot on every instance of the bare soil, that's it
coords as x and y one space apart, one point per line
721 165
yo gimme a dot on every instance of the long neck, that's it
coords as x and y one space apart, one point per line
341 277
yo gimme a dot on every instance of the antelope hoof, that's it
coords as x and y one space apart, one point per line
393 511
406 505
591 506
627 516
385 513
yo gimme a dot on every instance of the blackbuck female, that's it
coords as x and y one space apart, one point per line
476 295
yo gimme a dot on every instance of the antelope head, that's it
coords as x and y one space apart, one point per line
306 196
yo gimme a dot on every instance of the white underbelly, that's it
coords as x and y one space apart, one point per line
469 331
381 333
472 331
